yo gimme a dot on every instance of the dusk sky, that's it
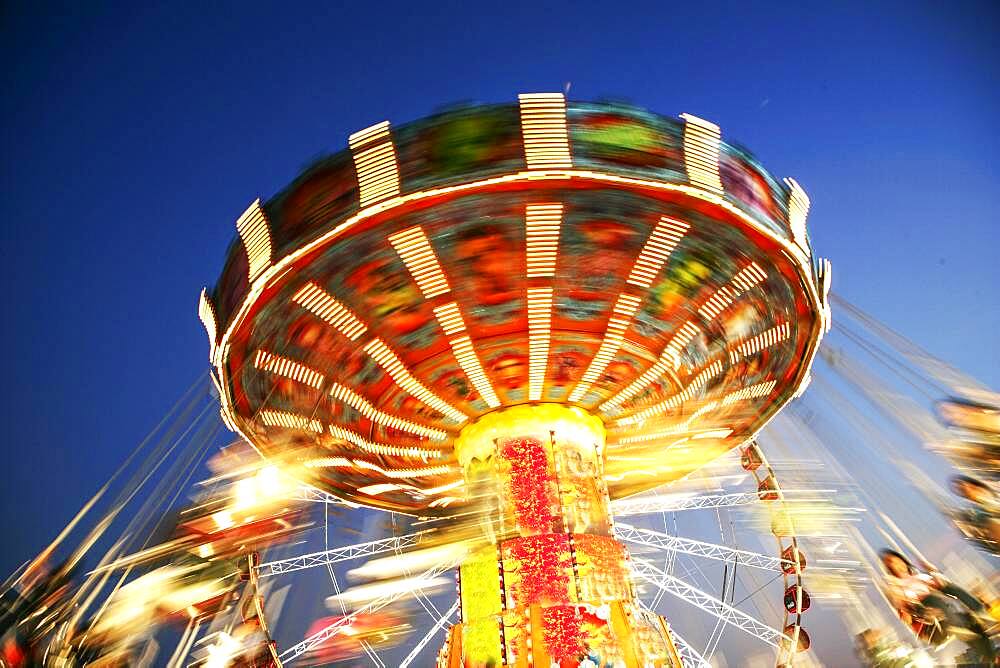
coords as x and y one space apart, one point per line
133 137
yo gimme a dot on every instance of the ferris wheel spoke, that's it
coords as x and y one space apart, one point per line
690 658
438 625
339 554
697 548
375 605
707 602
673 503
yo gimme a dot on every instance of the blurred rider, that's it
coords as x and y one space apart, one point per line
924 601
980 519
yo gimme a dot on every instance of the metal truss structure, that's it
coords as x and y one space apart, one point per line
668 504
438 625
697 548
336 627
309 493
708 603
345 553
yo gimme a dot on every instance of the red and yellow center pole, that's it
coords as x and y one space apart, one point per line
551 587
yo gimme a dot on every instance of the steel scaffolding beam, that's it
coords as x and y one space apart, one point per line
337 555
697 548
308 493
707 602
430 634
668 504
336 627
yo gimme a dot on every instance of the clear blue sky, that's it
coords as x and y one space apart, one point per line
133 137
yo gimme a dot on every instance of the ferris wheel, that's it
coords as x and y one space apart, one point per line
515 321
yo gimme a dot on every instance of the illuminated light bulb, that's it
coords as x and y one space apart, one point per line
669 358
614 336
415 251
375 163
450 318
755 391
770 337
206 313
365 407
661 243
544 132
798 211
539 335
379 448
542 223
323 305
469 361
393 366
287 368
288 420
701 153
255 233
744 280
699 381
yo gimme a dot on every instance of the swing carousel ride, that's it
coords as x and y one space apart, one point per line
502 330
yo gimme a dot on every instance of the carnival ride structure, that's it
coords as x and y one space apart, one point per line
544 348
525 314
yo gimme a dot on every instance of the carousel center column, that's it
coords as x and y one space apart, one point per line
550 585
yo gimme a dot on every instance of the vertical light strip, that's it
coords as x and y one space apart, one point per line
798 211
542 223
745 279
539 336
206 313
701 153
543 127
393 366
416 253
321 304
282 366
825 281
669 359
256 236
661 243
699 382
450 318
365 407
621 318
469 361
375 162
